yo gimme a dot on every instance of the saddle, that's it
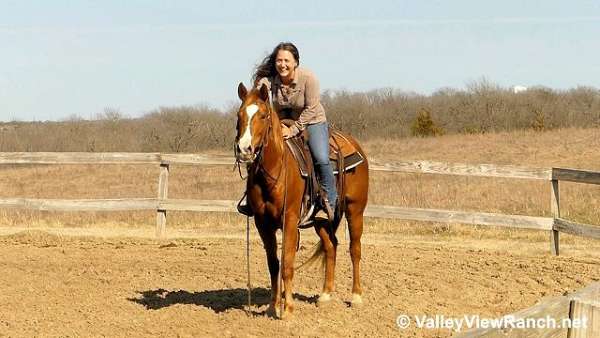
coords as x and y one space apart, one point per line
343 156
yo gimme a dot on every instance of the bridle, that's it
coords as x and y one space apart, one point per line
257 156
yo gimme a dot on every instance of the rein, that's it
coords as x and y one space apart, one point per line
258 166
285 185
280 277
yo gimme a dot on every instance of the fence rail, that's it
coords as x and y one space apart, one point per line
481 170
574 315
584 230
120 204
427 167
162 203
382 211
575 175
111 158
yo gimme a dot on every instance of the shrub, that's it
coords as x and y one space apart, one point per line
424 126
539 121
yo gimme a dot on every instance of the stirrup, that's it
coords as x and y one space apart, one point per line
325 208
244 209
307 221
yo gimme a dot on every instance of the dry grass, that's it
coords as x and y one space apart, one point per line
566 148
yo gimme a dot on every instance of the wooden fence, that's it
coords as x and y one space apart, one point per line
554 225
574 316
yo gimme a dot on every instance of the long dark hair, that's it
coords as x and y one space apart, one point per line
267 67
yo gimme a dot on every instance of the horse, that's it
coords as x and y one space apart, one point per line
274 192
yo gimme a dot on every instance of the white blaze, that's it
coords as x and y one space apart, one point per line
246 138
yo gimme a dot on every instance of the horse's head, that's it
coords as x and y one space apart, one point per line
253 123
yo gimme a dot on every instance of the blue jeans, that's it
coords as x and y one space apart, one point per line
318 142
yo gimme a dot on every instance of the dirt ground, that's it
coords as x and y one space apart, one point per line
54 285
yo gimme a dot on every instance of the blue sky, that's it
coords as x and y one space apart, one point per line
63 58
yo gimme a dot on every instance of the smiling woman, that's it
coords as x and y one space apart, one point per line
296 96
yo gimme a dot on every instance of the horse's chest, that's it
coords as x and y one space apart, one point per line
269 208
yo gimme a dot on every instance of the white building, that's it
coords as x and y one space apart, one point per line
519 89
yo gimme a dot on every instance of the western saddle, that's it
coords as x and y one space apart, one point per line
343 156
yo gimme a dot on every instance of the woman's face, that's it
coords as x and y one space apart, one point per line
285 63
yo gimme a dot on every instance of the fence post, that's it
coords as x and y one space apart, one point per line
555 209
581 312
163 188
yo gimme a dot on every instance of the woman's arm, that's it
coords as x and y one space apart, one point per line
312 97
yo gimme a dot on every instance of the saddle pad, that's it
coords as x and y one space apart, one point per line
350 162
352 158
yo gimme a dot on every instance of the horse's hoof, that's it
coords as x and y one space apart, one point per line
356 300
287 314
274 311
324 298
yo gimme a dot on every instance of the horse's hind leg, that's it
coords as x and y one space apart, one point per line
330 249
354 214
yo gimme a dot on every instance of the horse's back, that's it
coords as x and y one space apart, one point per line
356 180
346 146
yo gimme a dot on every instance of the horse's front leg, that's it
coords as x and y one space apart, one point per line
290 241
269 239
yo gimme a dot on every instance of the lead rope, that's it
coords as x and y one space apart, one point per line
249 283
280 279
248 263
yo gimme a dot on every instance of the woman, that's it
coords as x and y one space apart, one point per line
296 96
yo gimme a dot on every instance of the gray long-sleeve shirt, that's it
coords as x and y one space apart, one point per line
301 98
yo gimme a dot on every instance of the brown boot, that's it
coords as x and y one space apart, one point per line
244 209
328 210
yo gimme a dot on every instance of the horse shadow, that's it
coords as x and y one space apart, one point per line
216 300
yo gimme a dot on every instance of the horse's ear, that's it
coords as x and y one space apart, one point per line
242 91
264 92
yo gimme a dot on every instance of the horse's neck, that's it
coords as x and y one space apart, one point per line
274 150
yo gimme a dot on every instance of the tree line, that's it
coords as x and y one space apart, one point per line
482 107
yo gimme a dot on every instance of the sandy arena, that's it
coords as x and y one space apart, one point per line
55 285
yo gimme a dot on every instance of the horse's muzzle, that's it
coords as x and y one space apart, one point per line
244 155
246 158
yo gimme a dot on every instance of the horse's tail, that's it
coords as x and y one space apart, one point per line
318 253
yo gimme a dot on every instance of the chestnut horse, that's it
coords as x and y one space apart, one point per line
274 193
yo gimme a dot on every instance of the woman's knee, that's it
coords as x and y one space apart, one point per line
321 159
